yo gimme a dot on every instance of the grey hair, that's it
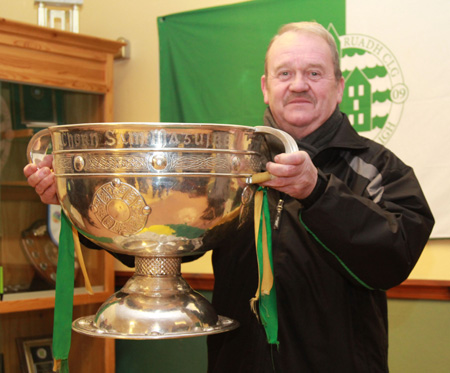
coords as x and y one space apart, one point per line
311 28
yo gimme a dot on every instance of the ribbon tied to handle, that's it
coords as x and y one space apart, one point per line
264 303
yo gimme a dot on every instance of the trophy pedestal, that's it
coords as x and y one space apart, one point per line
156 303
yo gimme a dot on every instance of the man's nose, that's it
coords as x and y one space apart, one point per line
299 83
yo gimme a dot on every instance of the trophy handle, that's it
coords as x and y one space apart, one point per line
38 146
290 146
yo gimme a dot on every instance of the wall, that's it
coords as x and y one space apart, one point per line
419 336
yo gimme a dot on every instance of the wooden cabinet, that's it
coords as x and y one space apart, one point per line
69 79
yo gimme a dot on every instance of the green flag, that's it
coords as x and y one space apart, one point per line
212 60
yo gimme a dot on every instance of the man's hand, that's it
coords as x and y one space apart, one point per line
293 174
43 180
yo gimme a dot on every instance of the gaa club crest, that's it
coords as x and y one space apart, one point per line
374 92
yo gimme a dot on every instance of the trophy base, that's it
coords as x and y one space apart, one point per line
86 325
150 306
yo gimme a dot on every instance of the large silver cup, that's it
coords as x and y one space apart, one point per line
153 191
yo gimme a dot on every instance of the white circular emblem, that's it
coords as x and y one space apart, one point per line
374 92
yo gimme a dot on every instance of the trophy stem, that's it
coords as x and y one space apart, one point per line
158 266
155 303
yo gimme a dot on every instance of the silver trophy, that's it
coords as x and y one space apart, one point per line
153 191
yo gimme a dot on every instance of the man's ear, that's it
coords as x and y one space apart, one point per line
264 90
341 86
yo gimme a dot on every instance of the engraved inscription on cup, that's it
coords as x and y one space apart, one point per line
159 138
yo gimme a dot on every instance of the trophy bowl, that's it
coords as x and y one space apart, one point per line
153 191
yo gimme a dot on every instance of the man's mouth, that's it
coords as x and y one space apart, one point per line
299 100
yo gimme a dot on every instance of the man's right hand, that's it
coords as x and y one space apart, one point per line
42 179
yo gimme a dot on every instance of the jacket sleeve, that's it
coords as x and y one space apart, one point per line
373 239
127 260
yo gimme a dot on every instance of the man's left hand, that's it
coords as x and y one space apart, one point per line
293 174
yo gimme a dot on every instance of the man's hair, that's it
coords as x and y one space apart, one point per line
310 28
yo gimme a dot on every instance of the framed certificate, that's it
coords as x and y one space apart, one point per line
35 354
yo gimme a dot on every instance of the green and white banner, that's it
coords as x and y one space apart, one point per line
393 56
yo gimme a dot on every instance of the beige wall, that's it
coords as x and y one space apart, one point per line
137 80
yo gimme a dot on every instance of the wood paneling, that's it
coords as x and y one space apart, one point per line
410 289
421 289
39 55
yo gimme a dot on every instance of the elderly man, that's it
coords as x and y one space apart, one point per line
349 221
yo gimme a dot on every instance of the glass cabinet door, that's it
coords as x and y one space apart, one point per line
29 229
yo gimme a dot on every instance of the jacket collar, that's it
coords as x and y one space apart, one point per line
336 132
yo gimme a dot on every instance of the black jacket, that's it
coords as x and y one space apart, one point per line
360 233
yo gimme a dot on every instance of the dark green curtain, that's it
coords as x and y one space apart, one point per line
211 60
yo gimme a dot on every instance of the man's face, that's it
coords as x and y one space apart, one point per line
300 87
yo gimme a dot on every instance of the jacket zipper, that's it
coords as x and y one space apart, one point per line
280 205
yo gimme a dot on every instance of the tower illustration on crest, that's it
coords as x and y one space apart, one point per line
368 87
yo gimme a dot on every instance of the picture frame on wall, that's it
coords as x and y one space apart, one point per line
37 106
32 106
35 354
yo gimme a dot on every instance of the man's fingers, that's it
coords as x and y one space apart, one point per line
288 164
38 176
47 161
29 170
45 183
49 195
282 170
46 189
295 174
296 158
41 178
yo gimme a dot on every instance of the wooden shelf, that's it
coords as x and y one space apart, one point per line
18 191
16 134
421 289
55 58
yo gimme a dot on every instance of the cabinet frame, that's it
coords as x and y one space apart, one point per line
52 58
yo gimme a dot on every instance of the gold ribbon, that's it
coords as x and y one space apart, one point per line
76 242
265 297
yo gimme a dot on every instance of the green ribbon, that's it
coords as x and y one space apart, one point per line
266 295
65 283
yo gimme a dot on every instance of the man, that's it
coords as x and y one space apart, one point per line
351 222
